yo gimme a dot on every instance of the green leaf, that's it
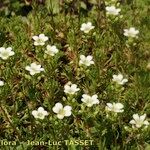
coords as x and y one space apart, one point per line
147 147
83 5
92 1
53 6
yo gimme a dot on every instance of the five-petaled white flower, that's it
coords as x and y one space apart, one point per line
1 83
89 100
40 40
115 107
6 52
51 50
62 111
40 113
112 10
131 32
87 61
119 79
34 68
70 88
139 121
86 27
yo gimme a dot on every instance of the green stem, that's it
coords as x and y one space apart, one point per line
5 113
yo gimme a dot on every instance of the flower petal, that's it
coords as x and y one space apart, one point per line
136 117
142 118
132 122
35 38
60 116
57 107
146 123
67 110
109 105
34 113
40 109
119 106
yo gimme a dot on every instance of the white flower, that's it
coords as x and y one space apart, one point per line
131 32
112 10
89 100
51 50
70 88
139 121
119 79
60 111
40 40
40 113
6 52
86 27
1 83
87 61
115 107
34 68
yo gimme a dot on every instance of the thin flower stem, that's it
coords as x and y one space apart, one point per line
32 124
5 113
52 16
